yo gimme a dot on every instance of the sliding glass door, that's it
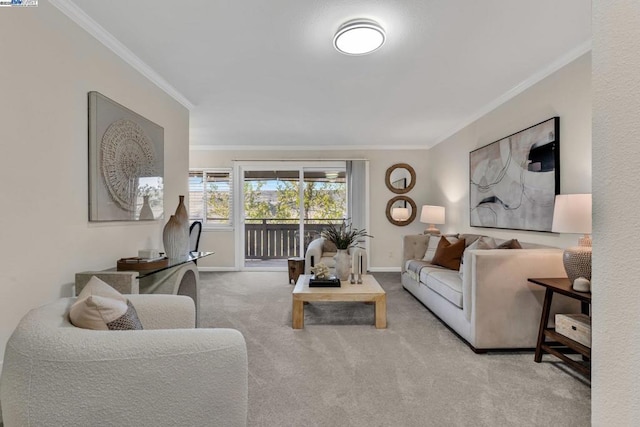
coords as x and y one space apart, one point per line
284 207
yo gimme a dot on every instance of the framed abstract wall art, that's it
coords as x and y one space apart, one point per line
126 163
514 181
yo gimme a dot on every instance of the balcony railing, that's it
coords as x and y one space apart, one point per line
279 238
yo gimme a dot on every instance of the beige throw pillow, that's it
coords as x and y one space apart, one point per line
100 307
329 246
486 243
510 244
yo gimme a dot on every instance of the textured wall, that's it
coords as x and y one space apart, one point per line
616 290
48 66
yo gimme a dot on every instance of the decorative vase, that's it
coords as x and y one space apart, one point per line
181 213
176 241
145 212
183 217
343 264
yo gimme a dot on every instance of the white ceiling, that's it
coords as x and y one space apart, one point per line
265 73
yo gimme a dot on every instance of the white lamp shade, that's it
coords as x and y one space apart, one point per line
400 214
572 214
432 214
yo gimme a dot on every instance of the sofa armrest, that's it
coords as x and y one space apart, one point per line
413 247
313 250
500 302
161 311
150 377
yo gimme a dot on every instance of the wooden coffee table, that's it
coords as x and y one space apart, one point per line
369 291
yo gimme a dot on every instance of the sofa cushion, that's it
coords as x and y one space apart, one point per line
427 270
100 307
448 254
447 284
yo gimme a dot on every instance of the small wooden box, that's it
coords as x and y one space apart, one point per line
575 326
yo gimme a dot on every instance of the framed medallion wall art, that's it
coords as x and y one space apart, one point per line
126 163
514 181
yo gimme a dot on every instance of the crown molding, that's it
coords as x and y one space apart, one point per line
304 147
87 23
545 72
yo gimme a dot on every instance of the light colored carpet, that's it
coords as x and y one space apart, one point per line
414 373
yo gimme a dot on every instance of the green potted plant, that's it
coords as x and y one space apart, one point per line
344 236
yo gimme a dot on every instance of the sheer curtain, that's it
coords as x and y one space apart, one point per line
357 194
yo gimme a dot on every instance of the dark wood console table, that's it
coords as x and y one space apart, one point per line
560 345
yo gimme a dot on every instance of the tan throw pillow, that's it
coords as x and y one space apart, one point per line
510 244
448 254
329 246
486 243
100 307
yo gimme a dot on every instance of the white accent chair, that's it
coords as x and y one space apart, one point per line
319 250
168 374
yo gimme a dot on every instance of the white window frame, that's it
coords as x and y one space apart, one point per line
214 226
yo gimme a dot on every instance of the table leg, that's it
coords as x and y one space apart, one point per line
381 312
544 321
297 314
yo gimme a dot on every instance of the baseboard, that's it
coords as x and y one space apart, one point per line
209 269
384 269
1 405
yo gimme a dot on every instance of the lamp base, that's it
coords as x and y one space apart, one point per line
432 230
577 262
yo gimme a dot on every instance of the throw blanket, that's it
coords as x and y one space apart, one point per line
414 267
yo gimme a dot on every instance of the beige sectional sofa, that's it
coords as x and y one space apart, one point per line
488 302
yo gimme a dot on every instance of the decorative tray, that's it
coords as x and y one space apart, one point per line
141 264
330 282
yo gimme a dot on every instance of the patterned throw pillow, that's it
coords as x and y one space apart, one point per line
100 307
128 321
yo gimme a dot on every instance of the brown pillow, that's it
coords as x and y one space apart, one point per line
510 244
448 255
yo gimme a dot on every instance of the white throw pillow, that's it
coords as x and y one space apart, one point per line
100 307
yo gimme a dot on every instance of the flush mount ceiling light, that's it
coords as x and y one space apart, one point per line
359 37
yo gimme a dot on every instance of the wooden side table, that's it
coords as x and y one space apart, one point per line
296 268
559 344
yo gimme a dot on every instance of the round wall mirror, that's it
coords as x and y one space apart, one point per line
401 210
400 178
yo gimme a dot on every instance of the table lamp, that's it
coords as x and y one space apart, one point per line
400 214
432 215
572 214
